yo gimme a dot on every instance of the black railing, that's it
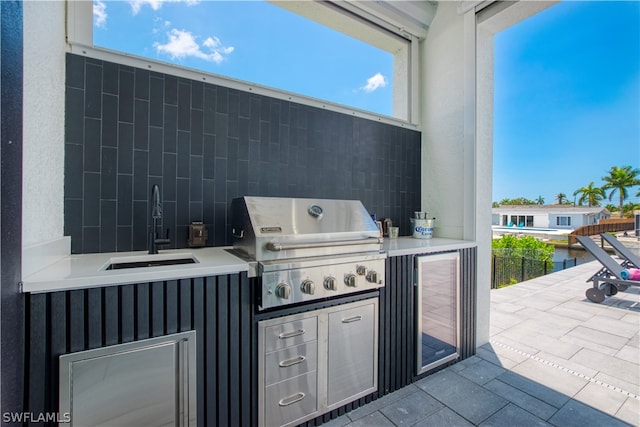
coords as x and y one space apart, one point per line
508 270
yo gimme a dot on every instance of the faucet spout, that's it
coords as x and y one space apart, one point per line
156 221
156 209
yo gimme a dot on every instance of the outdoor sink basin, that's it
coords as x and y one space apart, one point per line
143 261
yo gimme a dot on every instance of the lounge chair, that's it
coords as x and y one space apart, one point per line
608 280
631 260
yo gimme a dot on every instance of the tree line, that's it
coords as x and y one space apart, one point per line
618 181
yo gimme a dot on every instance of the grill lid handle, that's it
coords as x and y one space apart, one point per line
278 247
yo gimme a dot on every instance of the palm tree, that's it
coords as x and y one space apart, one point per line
560 198
592 195
540 200
621 178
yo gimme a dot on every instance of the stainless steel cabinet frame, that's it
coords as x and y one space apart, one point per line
149 382
438 310
329 357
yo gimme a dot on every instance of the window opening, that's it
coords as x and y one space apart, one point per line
529 221
273 47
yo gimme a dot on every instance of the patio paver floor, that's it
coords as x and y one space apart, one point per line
554 359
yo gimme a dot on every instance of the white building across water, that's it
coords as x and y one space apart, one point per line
556 217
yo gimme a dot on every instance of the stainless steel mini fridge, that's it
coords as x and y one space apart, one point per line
437 311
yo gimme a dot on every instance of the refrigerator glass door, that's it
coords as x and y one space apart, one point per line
437 311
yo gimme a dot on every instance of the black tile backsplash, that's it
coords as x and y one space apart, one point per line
128 128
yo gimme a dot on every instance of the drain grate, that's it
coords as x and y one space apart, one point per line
567 370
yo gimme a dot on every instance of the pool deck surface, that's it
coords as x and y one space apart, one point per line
554 359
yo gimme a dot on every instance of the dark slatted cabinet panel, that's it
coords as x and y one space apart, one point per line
395 354
219 308
468 301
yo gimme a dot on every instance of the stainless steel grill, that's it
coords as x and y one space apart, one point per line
307 249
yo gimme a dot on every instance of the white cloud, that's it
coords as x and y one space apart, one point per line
375 82
160 25
136 5
183 44
100 13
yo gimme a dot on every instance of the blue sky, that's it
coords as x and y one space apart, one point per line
567 99
567 80
252 41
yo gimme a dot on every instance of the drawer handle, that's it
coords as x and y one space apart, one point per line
291 399
291 362
352 319
285 335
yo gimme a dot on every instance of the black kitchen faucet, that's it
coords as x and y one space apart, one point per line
156 219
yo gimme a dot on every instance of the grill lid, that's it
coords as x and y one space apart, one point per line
270 228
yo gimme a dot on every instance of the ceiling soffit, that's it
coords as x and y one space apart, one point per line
363 20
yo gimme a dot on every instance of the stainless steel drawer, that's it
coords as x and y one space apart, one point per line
291 400
290 362
291 333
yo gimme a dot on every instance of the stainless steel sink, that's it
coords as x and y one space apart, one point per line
144 261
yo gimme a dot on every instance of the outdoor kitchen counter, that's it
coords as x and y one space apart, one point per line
87 270
410 246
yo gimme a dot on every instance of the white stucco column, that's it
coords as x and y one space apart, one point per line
442 121
484 24
43 121
456 173
43 134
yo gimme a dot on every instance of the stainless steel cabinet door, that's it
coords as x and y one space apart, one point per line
338 363
151 382
437 309
352 353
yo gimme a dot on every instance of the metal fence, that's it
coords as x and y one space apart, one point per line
509 269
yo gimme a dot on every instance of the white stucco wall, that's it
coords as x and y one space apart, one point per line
483 182
457 139
43 122
442 119
449 155
479 37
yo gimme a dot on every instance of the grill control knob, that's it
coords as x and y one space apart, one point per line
372 276
361 270
350 280
308 287
330 283
283 291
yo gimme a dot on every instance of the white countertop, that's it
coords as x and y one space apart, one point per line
87 270
410 246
